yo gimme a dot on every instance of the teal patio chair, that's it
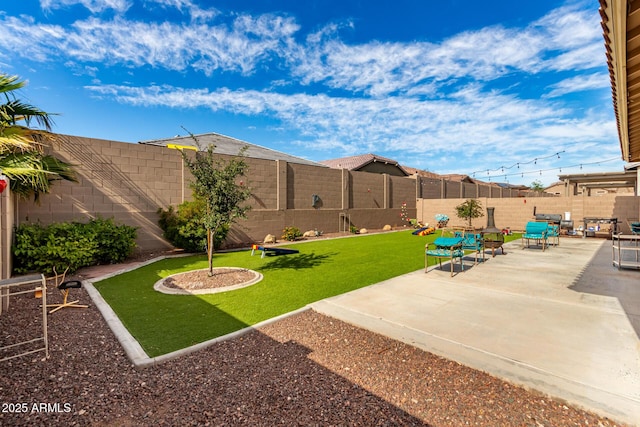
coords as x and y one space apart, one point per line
472 242
449 248
536 231
553 234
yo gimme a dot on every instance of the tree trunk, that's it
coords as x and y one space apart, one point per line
210 234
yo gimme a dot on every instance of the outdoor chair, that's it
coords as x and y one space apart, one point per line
536 231
553 234
634 226
444 248
472 242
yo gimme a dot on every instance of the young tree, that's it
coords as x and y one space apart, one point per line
22 157
537 186
216 183
469 209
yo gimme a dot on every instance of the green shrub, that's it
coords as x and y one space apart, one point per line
183 227
71 244
291 233
115 242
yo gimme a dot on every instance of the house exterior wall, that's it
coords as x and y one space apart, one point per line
381 167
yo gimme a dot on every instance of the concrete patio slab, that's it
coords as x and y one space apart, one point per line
538 319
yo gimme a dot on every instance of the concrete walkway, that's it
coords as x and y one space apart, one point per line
548 320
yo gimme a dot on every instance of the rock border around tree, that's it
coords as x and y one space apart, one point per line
183 282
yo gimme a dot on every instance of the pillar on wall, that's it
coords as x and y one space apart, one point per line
345 189
386 191
6 230
281 183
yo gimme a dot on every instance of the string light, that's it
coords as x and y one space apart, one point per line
540 171
517 165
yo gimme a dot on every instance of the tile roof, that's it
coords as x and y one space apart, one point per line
231 146
358 162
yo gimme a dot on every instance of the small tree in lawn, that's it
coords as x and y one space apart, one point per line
469 209
216 183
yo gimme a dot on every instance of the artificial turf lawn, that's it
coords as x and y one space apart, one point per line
164 323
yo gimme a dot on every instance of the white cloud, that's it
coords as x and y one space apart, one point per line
565 39
418 99
95 6
195 12
470 120
580 83
238 47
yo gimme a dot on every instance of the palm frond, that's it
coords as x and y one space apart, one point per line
33 173
21 139
10 83
14 111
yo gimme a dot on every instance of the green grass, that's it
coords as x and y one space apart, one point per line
163 323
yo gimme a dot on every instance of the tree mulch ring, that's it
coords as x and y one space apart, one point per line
200 282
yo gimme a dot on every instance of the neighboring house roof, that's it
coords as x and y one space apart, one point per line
458 177
621 26
554 184
231 146
511 186
419 172
360 161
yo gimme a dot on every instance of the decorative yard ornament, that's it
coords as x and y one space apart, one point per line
4 183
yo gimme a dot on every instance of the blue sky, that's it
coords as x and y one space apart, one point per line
454 86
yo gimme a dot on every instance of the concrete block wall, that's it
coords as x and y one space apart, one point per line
516 212
402 190
303 181
262 179
129 182
366 190
126 182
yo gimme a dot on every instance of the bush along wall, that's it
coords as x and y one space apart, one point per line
74 245
183 227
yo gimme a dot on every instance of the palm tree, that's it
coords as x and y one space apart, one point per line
22 156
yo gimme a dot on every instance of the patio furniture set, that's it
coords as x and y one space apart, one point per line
454 245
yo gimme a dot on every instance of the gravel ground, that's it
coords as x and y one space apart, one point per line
200 280
307 369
